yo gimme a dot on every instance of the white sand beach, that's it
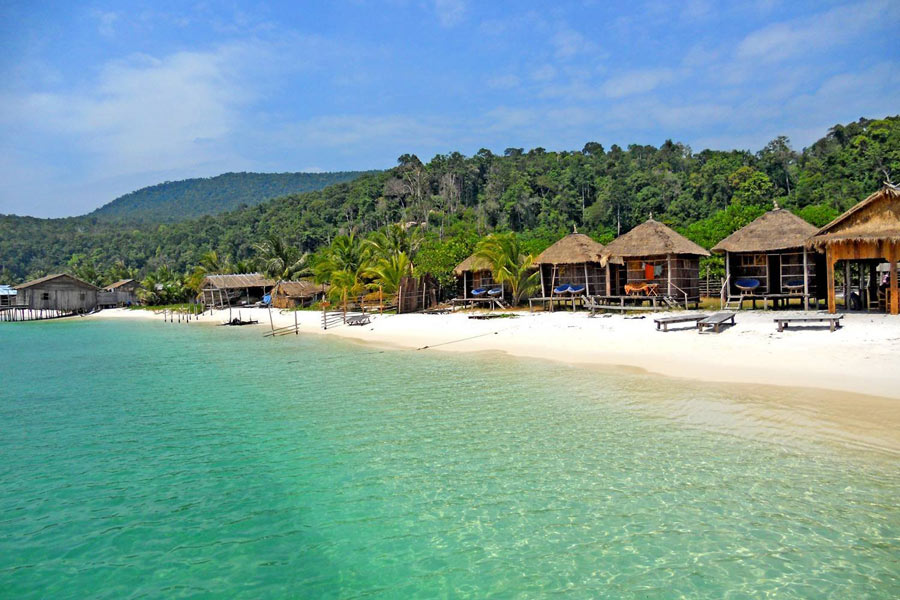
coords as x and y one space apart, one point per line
861 357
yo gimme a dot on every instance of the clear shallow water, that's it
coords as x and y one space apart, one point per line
152 460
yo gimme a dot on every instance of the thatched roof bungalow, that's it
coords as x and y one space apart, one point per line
658 256
224 290
772 251
471 274
573 260
61 292
869 234
292 294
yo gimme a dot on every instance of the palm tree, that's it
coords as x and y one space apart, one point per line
396 239
344 265
510 264
209 263
280 260
389 272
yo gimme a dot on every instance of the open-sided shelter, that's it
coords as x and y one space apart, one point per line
772 251
574 260
292 294
656 255
225 290
472 274
869 235
61 292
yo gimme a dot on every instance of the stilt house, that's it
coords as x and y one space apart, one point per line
771 251
574 260
867 235
293 294
121 293
60 292
655 255
471 274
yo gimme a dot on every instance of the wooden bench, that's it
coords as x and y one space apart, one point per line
358 320
666 321
715 321
834 322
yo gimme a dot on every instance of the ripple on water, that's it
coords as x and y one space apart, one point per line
187 461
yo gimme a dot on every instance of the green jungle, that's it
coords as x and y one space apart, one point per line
424 218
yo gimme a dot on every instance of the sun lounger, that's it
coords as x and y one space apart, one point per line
716 321
833 321
358 320
664 322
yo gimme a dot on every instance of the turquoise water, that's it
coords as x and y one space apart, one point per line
143 460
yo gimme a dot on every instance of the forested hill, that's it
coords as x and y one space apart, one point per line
179 200
540 194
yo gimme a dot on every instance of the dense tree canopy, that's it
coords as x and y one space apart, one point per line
539 194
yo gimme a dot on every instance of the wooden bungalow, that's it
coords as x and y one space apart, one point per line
769 258
121 293
472 274
653 259
574 260
60 292
293 294
239 288
7 295
868 235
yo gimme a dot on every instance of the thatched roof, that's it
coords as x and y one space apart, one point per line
650 238
877 218
298 289
473 263
63 277
237 280
777 229
575 248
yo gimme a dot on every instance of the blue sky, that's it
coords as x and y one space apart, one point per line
99 99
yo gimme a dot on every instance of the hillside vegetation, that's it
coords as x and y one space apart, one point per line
539 194
180 200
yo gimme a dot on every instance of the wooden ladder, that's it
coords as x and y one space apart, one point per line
733 303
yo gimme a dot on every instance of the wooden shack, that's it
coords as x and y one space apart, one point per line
471 274
7 295
869 235
573 260
60 292
234 289
294 294
656 258
772 251
120 293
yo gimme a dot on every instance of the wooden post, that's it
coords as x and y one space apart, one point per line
846 284
895 301
587 286
608 278
726 290
829 264
296 326
669 274
271 322
805 281
541 267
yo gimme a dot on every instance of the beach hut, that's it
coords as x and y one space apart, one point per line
575 260
238 288
869 235
121 293
473 274
60 292
7 295
292 294
653 259
769 258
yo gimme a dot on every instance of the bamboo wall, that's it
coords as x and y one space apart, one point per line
685 275
758 265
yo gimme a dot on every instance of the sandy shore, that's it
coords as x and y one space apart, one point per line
862 357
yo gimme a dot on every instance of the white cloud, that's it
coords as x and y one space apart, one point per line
503 82
779 41
636 82
106 21
568 43
450 12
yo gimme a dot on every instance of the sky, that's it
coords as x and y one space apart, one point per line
98 99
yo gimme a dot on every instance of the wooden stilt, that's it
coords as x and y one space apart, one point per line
829 264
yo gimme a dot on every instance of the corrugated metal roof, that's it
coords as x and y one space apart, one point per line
73 280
